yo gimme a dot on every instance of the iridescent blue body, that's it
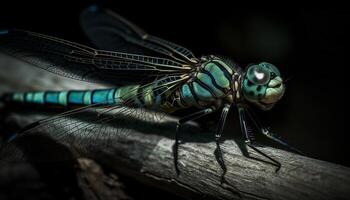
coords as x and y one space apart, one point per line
209 85
66 98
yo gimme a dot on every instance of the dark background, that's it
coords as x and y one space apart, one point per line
307 44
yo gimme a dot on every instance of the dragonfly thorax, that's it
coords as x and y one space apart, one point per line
211 83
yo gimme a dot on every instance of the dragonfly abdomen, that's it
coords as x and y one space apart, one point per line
65 98
131 95
75 97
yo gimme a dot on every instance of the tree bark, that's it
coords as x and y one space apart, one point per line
145 154
147 157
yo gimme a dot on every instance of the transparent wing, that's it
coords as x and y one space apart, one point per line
108 30
84 63
85 131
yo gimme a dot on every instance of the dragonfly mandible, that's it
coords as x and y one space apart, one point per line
148 72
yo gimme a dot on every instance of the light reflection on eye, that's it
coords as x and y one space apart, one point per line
258 75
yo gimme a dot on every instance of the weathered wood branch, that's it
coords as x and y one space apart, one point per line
147 157
145 154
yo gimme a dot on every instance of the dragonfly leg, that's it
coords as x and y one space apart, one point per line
250 138
181 121
218 134
267 133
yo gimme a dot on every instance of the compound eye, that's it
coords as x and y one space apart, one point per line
272 67
258 75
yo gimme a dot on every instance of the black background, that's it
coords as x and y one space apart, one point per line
307 44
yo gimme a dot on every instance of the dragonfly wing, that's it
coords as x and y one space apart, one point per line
85 131
108 30
84 63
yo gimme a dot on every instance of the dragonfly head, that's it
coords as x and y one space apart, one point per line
262 85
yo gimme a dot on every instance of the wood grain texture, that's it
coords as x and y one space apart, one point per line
145 154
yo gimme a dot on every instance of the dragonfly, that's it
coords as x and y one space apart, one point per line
148 73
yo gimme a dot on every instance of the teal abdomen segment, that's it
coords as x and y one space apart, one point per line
105 96
18 96
51 97
56 97
76 97
63 98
